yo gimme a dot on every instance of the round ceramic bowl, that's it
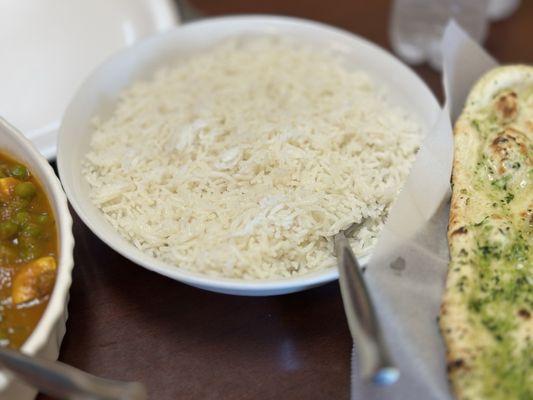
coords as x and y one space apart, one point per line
46 337
99 93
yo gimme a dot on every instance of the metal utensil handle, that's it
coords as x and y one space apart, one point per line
374 360
65 382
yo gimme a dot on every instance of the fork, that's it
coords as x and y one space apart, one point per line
65 382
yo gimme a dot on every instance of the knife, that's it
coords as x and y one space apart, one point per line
373 358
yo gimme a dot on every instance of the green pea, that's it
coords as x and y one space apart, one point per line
18 204
28 253
32 230
25 190
19 171
29 247
22 217
26 241
8 229
42 218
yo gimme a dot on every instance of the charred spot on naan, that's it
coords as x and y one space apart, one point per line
508 151
460 231
506 106
455 364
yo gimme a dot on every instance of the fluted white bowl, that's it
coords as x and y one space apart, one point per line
46 338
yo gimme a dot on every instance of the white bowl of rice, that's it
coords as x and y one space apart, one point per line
226 153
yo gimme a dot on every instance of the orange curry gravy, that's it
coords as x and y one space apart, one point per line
28 252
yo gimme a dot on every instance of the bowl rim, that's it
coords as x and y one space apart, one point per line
57 303
214 283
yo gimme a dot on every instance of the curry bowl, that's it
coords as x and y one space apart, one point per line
100 92
46 336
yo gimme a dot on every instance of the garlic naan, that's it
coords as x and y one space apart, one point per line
486 316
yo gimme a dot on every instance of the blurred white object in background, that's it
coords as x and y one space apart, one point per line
500 9
417 25
47 48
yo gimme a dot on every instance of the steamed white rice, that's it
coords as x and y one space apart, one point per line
244 160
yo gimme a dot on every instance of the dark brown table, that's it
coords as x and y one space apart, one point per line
184 343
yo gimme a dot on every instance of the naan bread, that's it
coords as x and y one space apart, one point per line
486 316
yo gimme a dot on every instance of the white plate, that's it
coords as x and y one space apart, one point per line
99 94
48 48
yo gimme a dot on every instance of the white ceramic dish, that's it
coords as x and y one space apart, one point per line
49 47
46 337
99 94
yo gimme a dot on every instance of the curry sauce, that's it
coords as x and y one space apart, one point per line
28 252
